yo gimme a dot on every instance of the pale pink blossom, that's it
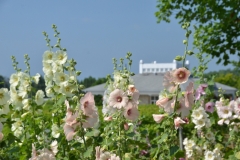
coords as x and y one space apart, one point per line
126 126
91 121
177 122
118 99
69 132
189 97
88 104
168 82
182 108
166 103
180 75
237 107
34 153
109 118
209 107
158 117
162 101
131 112
200 91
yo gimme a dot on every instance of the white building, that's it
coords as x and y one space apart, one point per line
159 67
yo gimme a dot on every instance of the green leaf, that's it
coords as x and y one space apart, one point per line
237 155
173 150
88 153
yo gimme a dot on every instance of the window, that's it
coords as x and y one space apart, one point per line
161 69
157 70
148 69
154 99
144 70
152 69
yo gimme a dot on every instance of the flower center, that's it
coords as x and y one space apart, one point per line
119 99
129 112
1 95
181 75
225 111
85 104
60 57
50 56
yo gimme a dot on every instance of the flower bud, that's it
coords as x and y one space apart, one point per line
184 41
78 73
178 58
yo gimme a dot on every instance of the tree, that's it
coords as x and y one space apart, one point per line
4 82
217 23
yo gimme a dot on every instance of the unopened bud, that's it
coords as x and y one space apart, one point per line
178 58
78 73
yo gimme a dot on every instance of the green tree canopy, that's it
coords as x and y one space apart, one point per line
217 23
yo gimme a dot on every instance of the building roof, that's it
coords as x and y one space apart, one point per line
152 84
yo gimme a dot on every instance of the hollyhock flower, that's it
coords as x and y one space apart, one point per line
199 123
166 103
48 56
39 97
200 91
60 57
134 93
66 89
60 78
182 109
1 134
49 91
25 79
126 126
36 78
180 75
55 131
47 69
108 118
162 101
91 121
237 107
118 99
88 104
5 109
14 79
168 82
209 107
209 155
57 68
16 101
189 97
45 154
177 122
17 127
4 96
224 112
54 147
198 113
69 132
34 153
158 117
23 91
131 112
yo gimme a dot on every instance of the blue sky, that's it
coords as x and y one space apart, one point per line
92 31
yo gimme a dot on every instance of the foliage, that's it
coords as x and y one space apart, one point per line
91 81
217 23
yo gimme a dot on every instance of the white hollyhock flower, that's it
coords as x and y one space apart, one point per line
4 96
55 131
199 123
209 155
49 91
47 68
36 78
16 101
57 68
39 98
26 104
17 127
5 109
224 112
23 91
45 154
60 57
198 113
67 89
24 79
54 147
48 56
14 79
60 78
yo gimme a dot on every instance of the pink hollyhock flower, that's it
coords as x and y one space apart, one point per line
200 91
118 99
168 82
134 93
91 121
108 118
177 122
183 109
88 104
180 75
34 153
209 107
158 117
126 126
189 97
237 107
162 101
69 132
131 112
166 103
